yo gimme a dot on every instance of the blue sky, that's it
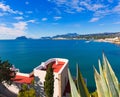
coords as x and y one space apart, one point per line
37 18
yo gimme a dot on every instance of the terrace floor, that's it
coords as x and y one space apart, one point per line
23 79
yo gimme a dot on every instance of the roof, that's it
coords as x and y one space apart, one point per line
56 66
23 79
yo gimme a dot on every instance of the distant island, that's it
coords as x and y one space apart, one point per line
22 38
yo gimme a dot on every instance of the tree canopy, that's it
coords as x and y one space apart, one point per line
6 72
27 92
49 82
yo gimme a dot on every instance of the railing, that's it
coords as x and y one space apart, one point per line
43 65
23 74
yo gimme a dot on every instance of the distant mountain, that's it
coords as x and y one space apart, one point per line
77 36
22 38
69 35
100 35
46 38
87 36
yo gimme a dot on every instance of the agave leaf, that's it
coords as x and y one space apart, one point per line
100 68
104 84
82 88
73 88
113 76
99 84
109 80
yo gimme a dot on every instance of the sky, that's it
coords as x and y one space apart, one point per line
38 18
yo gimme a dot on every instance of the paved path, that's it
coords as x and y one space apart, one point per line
6 92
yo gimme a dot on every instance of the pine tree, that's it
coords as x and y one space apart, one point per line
6 73
49 82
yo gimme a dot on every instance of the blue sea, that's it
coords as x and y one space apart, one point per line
27 54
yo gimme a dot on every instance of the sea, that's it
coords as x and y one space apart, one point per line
27 54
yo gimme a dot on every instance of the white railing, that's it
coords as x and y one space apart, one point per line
43 65
23 74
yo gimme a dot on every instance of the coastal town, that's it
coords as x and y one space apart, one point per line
115 40
101 37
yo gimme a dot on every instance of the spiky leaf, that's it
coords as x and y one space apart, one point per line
73 88
99 84
82 88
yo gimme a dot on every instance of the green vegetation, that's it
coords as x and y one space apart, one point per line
49 82
80 89
6 73
106 82
26 92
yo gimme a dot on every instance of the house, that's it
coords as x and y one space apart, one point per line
60 69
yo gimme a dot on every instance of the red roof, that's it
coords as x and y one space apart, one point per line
56 66
23 79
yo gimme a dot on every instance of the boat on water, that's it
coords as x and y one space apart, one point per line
88 41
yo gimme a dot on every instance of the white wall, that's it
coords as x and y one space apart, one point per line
59 81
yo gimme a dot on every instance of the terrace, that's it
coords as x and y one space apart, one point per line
57 65
24 78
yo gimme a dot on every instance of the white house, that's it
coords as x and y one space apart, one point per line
60 69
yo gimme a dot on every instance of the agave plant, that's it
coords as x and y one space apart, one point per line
79 89
106 82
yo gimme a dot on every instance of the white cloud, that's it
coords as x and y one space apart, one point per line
10 32
31 21
20 26
19 18
14 30
71 6
117 8
99 8
57 18
92 7
44 19
7 9
102 13
94 19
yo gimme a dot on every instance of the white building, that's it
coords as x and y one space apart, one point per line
60 69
